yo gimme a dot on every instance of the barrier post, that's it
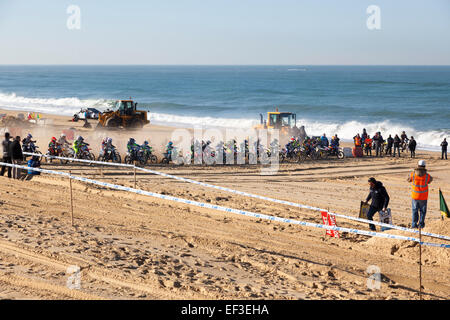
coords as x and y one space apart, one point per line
71 197
420 263
134 168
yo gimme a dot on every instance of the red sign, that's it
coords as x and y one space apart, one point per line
330 220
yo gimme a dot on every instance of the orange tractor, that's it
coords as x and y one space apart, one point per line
124 114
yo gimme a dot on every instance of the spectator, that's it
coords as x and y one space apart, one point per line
444 146
404 137
364 136
378 141
368 146
390 143
420 180
412 147
6 155
357 140
397 142
324 141
15 151
380 199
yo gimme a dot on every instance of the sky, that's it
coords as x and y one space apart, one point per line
225 32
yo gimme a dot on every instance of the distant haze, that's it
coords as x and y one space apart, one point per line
225 32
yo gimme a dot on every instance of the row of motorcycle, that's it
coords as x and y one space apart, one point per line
142 156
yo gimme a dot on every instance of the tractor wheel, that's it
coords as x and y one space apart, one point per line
112 123
136 124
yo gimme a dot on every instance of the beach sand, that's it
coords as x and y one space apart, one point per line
134 247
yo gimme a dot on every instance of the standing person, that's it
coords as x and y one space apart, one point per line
412 147
403 137
380 199
444 146
6 155
397 142
377 144
390 143
324 141
15 151
368 146
357 140
364 136
420 180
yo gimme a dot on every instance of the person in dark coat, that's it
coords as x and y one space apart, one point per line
397 142
364 136
380 199
15 149
444 146
6 155
412 147
390 144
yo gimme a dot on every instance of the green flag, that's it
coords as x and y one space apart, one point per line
444 208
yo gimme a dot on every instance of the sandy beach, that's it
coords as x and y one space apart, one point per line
134 247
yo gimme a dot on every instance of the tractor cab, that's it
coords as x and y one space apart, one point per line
286 122
125 107
280 120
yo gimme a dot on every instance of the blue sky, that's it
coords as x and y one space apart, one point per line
292 32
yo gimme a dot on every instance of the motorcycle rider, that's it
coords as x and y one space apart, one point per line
324 141
62 141
334 143
54 147
27 143
78 144
133 148
169 149
146 147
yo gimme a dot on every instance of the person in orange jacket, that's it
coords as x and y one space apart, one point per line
368 146
357 140
420 180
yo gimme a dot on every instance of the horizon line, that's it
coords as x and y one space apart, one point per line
237 65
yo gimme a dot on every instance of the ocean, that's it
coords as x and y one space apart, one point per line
327 99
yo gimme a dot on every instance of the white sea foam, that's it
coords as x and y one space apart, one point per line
63 106
347 130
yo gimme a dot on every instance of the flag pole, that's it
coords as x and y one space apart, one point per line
71 197
420 263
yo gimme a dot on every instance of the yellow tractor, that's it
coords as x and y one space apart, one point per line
286 122
124 114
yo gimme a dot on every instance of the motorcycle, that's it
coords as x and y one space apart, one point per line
334 151
169 156
110 154
53 152
149 156
30 148
67 152
85 153
136 155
